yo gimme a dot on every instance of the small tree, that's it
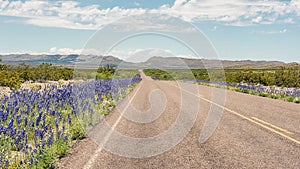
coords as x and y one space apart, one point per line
105 72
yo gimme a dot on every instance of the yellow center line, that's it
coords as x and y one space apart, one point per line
242 116
271 125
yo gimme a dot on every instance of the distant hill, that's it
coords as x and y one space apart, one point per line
175 62
92 61
65 60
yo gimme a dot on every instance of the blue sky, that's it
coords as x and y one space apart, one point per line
238 29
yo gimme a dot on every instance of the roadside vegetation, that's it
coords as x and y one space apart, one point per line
281 83
14 76
38 126
282 77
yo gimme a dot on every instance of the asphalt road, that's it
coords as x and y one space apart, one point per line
154 131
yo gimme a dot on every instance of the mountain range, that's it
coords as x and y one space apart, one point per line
92 61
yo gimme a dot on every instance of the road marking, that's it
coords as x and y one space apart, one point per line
242 116
271 125
89 164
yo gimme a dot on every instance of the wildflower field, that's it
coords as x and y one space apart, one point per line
38 126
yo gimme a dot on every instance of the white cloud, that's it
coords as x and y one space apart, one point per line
272 31
61 51
136 3
64 51
257 19
283 31
69 14
65 14
142 55
151 22
214 28
232 11
68 51
21 52
53 50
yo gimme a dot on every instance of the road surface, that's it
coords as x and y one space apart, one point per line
254 132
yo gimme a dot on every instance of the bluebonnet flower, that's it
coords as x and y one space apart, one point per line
4 116
69 119
25 121
17 140
3 129
31 160
43 144
23 134
19 119
1 115
28 108
10 124
50 139
56 123
6 164
17 109
38 119
12 132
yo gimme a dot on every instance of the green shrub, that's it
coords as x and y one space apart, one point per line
45 160
14 76
246 91
61 148
297 100
237 90
274 96
77 131
105 112
263 94
290 99
252 92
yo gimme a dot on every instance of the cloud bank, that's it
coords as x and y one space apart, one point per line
71 15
